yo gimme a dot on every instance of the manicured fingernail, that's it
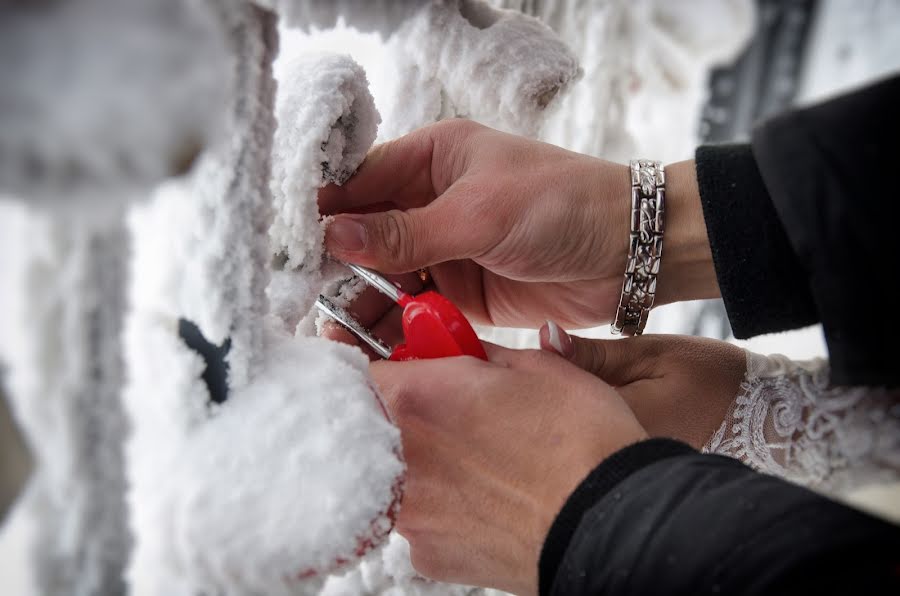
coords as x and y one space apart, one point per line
347 234
559 340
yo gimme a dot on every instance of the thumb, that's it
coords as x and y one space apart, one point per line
616 361
400 241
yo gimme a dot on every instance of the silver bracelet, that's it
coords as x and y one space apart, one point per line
648 211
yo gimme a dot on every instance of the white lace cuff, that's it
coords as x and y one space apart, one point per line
787 421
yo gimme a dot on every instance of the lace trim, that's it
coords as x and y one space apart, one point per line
789 422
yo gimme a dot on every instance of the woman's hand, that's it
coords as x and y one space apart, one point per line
514 231
493 451
677 386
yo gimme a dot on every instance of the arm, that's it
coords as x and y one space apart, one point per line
793 223
503 489
657 515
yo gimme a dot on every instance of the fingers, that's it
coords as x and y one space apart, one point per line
618 362
396 173
404 173
377 313
554 339
401 241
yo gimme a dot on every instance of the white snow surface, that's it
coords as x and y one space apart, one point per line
326 123
298 472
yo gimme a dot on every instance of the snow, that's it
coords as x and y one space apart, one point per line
79 117
298 473
326 123
390 573
500 67
60 340
292 473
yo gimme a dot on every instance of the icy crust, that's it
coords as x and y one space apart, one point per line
326 123
105 96
295 476
500 67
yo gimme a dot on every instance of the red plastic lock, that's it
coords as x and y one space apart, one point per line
435 328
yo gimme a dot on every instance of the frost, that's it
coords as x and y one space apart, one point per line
326 123
295 476
105 95
298 473
466 58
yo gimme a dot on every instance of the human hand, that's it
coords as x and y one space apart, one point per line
493 450
513 230
677 386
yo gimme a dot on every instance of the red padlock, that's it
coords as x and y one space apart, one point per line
434 328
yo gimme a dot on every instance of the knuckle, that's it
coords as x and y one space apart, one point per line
395 234
404 404
456 127
596 356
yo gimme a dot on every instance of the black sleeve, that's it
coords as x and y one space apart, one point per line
660 518
795 226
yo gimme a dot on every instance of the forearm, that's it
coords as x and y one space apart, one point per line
787 230
687 271
724 239
686 523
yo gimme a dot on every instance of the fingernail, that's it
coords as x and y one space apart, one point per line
347 234
559 340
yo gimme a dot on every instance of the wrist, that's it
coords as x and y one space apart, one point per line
686 271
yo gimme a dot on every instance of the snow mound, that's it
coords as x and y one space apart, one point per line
296 475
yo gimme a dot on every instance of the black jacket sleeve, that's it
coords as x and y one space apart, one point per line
660 518
801 227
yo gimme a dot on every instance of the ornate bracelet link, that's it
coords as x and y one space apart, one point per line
648 210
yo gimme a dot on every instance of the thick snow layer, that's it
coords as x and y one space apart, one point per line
456 58
326 123
105 96
298 472
225 250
